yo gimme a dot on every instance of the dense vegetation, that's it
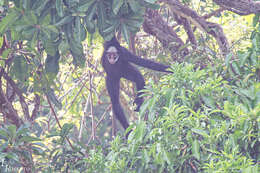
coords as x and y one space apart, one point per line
55 112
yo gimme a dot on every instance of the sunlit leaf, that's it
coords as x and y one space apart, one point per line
28 139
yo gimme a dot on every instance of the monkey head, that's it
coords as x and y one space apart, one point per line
112 55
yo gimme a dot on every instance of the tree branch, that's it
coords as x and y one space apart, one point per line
57 120
19 93
211 28
6 107
36 107
241 7
156 26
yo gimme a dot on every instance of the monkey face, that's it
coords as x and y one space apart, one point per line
112 55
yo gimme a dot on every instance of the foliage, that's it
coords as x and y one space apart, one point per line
17 147
202 118
38 37
198 120
203 122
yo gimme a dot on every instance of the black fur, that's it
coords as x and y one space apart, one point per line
124 68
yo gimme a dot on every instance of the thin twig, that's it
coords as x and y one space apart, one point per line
57 120
214 13
37 101
103 116
91 108
11 113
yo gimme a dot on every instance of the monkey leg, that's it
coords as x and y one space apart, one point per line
113 86
134 75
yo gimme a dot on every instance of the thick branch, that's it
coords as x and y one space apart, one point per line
188 29
156 26
211 28
241 7
20 95
6 107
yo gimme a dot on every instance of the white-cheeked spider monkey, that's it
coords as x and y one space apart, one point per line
116 60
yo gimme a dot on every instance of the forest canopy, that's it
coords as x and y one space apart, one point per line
55 112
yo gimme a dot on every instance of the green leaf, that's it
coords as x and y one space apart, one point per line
6 53
209 101
13 156
64 47
78 60
254 58
22 130
50 47
1 41
34 40
166 156
37 150
66 129
76 50
3 146
76 47
28 33
45 20
12 130
59 7
139 131
117 5
51 28
8 20
26 4
134 23
109 29
150 1
88 20
227 59
64 20
28 139
90 26
125 33
248 93
41 5
146 156
20 68
236 67
52 65
256 19
200 132
30 18
243 57
85 7
4 133
72 3
80 32
135 5
51 95
101 15
196 149
152 6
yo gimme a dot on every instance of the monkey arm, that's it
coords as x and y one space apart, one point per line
143 62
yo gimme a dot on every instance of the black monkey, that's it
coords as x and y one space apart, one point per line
116 60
